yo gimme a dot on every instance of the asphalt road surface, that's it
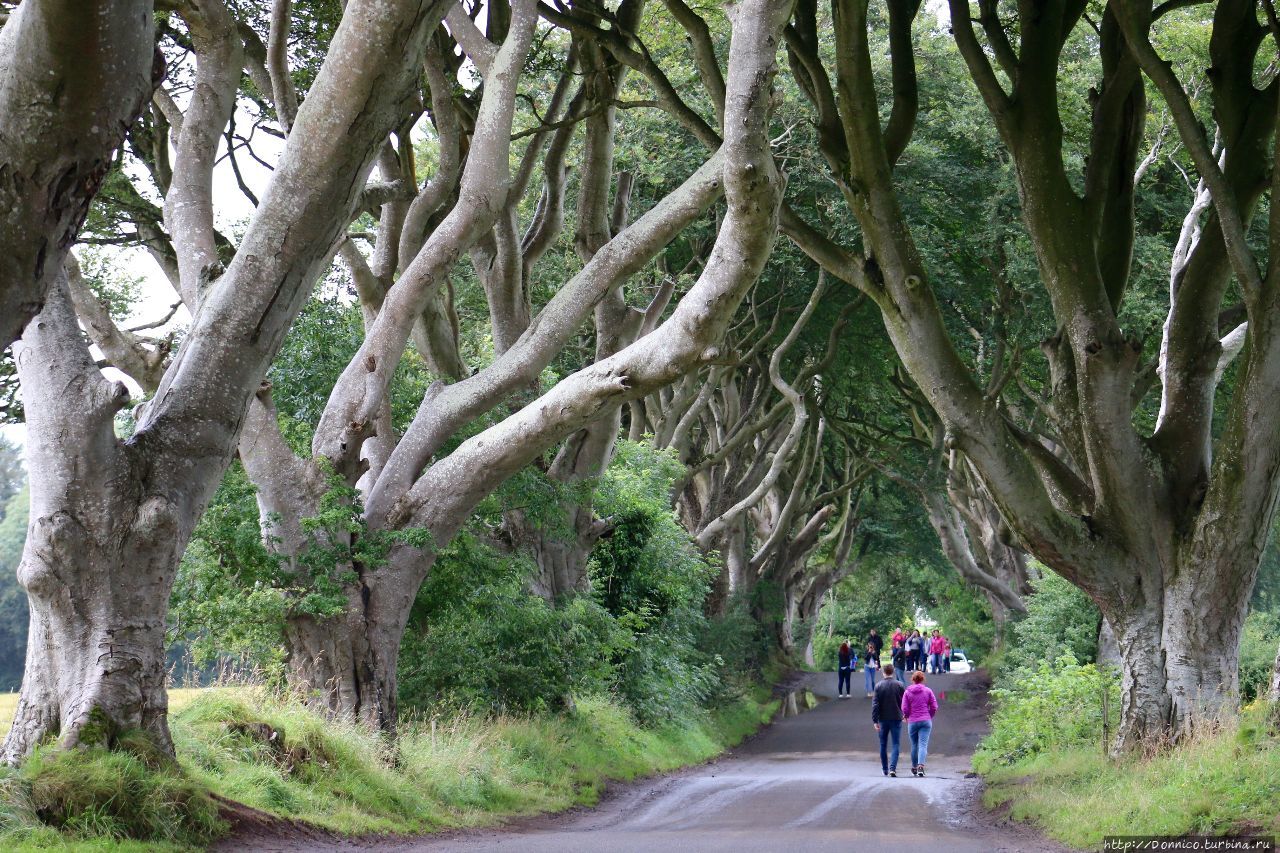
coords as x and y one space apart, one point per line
810 782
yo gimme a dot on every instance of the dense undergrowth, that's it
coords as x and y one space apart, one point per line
256 748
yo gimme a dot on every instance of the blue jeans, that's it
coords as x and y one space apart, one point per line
842 683
890 729
870 678
919 733
902 678
935 663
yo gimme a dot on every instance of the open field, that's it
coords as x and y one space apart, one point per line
178 699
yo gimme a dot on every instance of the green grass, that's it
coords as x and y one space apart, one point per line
1225 783
469 770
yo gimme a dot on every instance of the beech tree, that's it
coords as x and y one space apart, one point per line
110 516
421 487
1164 531
408 491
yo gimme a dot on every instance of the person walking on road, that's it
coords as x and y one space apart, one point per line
919 707
846 665
946 654
936 645
898 657
870 664
886 716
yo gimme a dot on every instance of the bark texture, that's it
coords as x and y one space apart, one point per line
73 77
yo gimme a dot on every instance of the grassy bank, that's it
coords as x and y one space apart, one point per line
1221 784
276 756
1044 762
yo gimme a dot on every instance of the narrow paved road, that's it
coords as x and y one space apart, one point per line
809 782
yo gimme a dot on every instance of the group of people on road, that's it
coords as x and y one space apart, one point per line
893 702
908 652
916 652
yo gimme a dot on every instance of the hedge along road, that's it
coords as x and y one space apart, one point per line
811 781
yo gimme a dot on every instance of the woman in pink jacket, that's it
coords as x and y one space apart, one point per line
936 646
919 706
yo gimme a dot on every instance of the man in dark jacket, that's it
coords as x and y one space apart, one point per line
886 716
876 640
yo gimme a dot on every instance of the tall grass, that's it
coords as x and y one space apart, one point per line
1046 761
1226 782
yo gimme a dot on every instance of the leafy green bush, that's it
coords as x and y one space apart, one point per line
740 647
1053 707
1258 654
477 638
1060 620
650 577
226 600
647 565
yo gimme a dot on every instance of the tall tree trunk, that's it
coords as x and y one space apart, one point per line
560 554
100 556
76 76
341 668
1145 704
808 607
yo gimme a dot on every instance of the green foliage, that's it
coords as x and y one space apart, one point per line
320 343
338 541
478 638
1060 620
1053 707
117 289
1258 654
96 793
233 594
647 566
227 600
648 575
13 598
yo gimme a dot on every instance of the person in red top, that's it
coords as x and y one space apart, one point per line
936 646
899 638
946 654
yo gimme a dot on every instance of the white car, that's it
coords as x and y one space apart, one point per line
961 664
